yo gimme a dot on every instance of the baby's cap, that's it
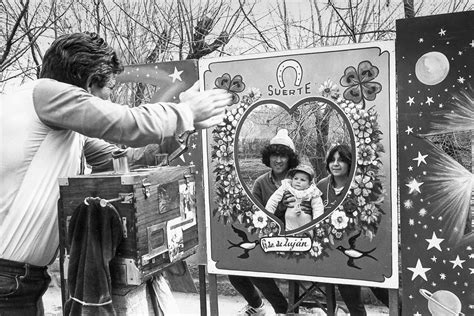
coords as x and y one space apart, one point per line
303 168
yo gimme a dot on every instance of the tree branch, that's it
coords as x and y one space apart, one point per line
9 42
255 27
343 21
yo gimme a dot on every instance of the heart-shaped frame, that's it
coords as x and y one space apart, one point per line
316 101
361 210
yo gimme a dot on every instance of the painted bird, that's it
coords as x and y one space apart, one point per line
352 253
246 245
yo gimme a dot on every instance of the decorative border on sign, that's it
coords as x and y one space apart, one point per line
362 208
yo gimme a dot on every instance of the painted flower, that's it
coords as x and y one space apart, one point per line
339 219
361 200
259 219
365 184
254 93
266 231
366 155
316 249
369 214
233 86
320 232
359 82
329 89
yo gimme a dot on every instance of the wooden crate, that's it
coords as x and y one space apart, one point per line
157 208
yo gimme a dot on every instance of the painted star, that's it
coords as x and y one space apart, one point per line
442 32
408 204
420 40
420 159
434 259
434 242
414 186
409 130
176 75
429 100
411 100
442 276
457 262
418 270
472 270
417 314
410 168
461 79
471 44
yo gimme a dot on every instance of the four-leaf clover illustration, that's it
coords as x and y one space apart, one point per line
233 86
360 84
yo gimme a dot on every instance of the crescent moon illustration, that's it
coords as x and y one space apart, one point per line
289 63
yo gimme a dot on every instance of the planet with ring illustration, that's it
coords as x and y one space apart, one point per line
442 302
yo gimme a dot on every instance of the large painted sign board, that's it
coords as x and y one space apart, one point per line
322 97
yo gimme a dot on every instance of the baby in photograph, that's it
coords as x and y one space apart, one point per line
300 184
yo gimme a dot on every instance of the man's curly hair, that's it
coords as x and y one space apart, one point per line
80 59
280 150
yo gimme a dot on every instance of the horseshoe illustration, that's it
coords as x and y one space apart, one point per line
289 63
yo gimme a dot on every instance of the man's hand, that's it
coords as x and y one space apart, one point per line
186 95
306 207
207 106
288 199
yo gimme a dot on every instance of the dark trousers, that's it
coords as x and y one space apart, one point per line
247 287
21 288
352 296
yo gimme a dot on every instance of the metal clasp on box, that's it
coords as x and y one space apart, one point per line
146 188
124 198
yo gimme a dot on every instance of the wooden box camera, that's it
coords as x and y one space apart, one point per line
158 211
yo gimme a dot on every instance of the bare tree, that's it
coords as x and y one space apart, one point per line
147 31
23 24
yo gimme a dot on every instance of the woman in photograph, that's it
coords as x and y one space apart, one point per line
338 165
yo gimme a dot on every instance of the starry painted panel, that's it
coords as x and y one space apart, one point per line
168 80
435 57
